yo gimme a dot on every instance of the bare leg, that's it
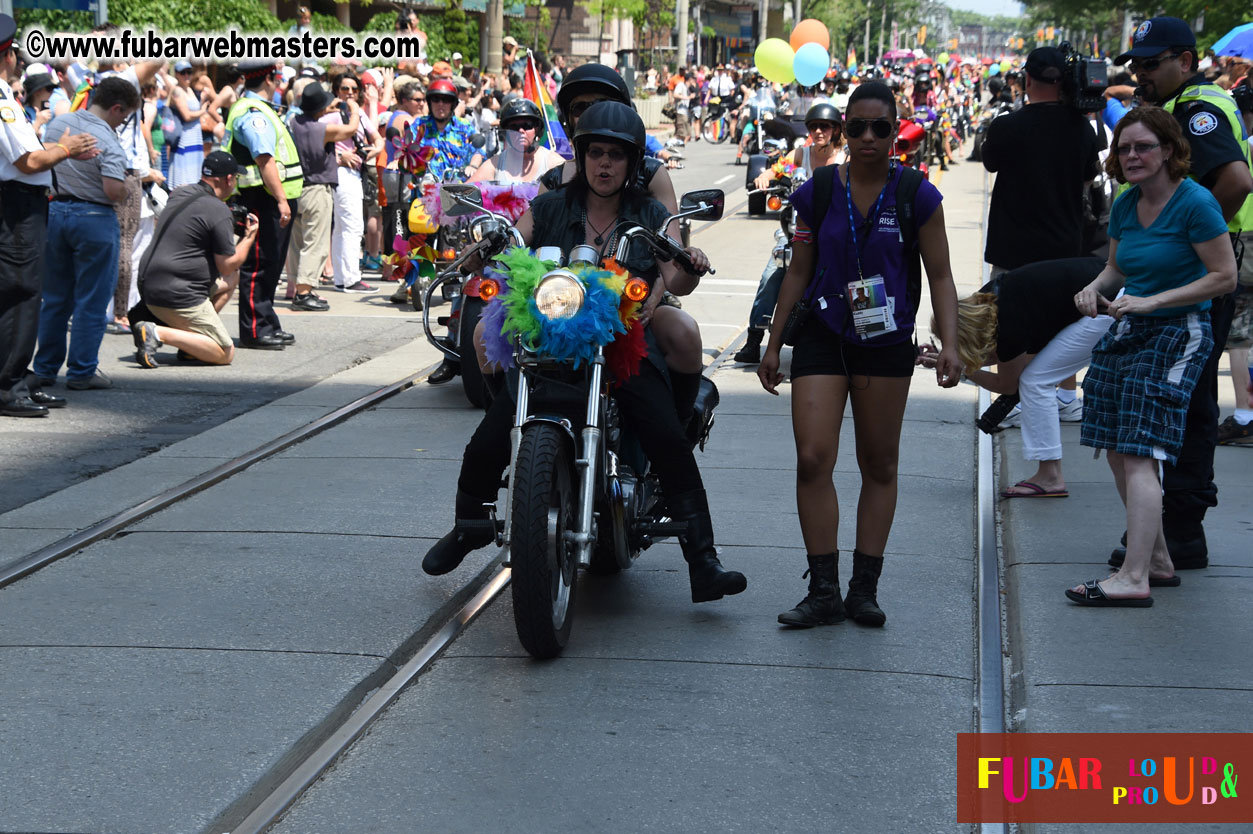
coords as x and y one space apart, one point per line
878 412
817 413
1141 490
1239 358
678 336
197 344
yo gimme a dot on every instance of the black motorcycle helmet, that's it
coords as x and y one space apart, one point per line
823 111
523 109
591 78
611 121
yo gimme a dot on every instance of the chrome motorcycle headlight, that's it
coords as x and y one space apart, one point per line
559 294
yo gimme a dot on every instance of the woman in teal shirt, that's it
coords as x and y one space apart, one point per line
1170 254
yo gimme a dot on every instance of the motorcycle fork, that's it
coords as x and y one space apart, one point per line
584 535
515 441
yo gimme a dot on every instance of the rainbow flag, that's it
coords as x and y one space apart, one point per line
534 89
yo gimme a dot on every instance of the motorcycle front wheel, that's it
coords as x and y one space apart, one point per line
545 565
471 376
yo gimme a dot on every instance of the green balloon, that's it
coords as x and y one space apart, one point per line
1006 66
943 58
774 58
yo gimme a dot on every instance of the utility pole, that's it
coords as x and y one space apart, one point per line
763 11
883 23
680 18
865 47
495 20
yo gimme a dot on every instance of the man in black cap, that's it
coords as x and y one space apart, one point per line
270 184
1042 156
311 231
190 270
1163 57
25 163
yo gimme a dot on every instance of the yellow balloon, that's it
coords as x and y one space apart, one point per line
420 220
774 60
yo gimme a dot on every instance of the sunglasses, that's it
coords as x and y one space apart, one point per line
1140 148
614 154
521 126
580 107
816 126
348 88
856 127
415 100
1150 64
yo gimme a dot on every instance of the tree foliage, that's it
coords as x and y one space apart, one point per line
846 21
434 25
165 15
1219 16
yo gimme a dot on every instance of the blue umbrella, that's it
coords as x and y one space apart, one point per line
1238 42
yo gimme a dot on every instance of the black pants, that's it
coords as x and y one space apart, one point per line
1188 485
258 277
647 408
23 228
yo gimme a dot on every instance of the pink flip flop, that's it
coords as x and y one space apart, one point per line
1037 491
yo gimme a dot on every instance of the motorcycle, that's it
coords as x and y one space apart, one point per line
580 491
779 137
762 109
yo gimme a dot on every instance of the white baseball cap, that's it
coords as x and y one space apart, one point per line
456 56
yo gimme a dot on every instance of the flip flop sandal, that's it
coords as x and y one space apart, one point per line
1164 581
1094 597
1036 491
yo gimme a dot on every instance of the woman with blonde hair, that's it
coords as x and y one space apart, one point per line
1170 252
1025 323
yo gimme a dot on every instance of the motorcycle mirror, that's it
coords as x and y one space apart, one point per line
456 199
478 140
710 201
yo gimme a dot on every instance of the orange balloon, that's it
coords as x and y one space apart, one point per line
810 31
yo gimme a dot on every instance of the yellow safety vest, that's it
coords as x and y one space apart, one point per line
285 155
1218 97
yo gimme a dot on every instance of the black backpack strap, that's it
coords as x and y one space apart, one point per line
824 185
907 220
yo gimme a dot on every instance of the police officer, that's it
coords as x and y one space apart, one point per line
270 184
1163 56
24 184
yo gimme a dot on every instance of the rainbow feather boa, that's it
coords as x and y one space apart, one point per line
607 318
510 199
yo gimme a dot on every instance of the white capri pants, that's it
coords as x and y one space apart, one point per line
1066 354
349 227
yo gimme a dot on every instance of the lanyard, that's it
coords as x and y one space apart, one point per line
874 213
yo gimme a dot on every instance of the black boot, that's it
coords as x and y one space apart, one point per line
750 354
702 419
1187 548
823 605
686 387
447 370
710 581
447 553
862 587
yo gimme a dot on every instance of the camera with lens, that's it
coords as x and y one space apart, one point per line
239 217
1083 81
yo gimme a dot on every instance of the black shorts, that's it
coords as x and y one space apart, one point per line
820 352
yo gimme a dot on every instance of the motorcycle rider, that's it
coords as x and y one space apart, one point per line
677 332
521 157
826 138
449 137
609 147
1163 56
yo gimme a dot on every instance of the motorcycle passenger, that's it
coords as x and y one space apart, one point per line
677 333
450 137
863 355
609 147
826 132
521 157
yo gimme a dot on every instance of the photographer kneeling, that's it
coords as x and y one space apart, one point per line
180 277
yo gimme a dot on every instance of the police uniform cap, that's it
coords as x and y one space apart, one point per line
8 28
254 67
1156 35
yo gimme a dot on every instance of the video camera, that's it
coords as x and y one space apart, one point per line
1083 81
239 217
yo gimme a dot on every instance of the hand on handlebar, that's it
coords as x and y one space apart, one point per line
695 262
763 180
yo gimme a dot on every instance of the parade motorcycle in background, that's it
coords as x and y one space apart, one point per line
580 491
779 137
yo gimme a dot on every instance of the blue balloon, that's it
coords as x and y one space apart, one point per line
811 64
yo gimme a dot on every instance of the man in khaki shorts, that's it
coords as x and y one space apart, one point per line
181 277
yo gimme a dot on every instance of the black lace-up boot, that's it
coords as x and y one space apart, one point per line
750 354
446 554
822 606
860 603
710 581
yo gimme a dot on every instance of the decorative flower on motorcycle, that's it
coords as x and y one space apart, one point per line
564 314
408 253
413 156
785 167
508 199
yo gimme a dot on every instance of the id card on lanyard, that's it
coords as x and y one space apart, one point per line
868 300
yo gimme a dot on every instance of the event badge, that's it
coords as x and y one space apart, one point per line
872 307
